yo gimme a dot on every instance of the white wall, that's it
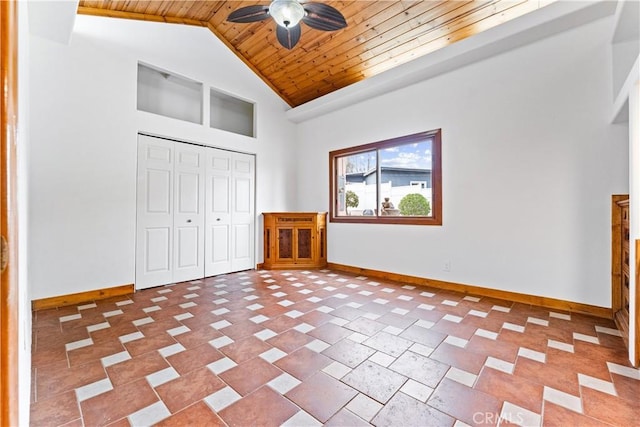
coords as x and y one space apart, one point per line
24 292
83 138
529 165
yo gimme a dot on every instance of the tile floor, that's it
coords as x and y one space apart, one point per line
305 348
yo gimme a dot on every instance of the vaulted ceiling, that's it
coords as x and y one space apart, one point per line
379 35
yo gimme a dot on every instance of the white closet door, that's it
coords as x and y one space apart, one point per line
218 212
242 212
195 212
188 219
154 228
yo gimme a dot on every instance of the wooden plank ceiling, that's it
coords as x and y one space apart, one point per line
379 35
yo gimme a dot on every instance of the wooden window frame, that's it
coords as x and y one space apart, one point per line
436 181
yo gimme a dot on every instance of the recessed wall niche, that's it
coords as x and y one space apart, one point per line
168 94
231 114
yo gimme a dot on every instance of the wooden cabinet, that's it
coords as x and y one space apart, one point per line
295 240
620 261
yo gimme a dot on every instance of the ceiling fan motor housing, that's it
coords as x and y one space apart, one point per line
286 13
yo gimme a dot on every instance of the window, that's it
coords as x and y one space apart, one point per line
397 181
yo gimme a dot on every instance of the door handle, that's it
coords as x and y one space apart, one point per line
188 220
217 219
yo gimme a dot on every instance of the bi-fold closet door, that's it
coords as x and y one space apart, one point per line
195 212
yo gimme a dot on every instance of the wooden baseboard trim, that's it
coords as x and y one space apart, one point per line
71 299
551 303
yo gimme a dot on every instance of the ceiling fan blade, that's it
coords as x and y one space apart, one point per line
323 17
288 37
247 14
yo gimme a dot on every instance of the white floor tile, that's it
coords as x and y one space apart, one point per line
478 313
520 416
259 318
563 399
304 328
90 390
222 398
70 317
273 354
171 350
150 415
178 331
609 331
532 354
458 342
560 346
382 359
163 376
337 370
560 315
220 324
79 344
513 327
97 327
626 371
452 318
462 377
537 321
265 334
500 365
112 313
597 384
302 419
283 383
220 342
115 358
586 338
486 334
317 346
364 407
417 390
294 314
221 365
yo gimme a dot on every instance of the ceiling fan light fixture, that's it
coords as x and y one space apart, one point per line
286 13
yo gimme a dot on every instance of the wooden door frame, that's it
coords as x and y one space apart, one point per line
8 213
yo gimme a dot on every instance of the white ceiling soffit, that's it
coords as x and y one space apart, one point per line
544 22
52 19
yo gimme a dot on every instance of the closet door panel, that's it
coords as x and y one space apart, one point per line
154 220
188 220
243 212
218 212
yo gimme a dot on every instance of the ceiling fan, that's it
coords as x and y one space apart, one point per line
288 14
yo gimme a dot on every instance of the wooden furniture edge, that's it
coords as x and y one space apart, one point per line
616 253
636 362
546 302
77 298
9 281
